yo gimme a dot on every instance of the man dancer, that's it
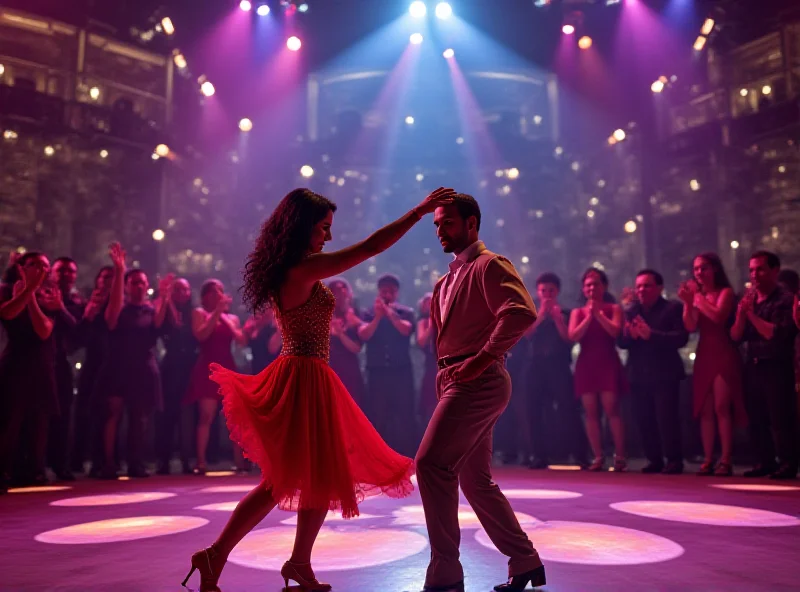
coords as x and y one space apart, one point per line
481 309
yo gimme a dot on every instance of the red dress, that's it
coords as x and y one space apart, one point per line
599 369
214 350
716 355
298 423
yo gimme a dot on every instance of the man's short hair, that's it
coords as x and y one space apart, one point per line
657 277
389 279
67 260
773 261
548 277
467 206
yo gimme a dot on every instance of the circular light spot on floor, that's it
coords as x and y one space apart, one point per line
334 550
220 473
43 489
332 517
415 516
754 487
587 543
540 494
220 507
229 489
564 467
710 514
120 529
112 499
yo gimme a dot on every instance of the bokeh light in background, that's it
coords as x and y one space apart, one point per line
444 11
245 5
417 9
415 39
294 43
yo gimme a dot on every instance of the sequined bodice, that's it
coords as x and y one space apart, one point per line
306 329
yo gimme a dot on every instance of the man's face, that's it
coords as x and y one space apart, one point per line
181 291
761 275
451 229
65 274
547 291
388 293
647 290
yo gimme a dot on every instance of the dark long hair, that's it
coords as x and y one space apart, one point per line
284 241
720 277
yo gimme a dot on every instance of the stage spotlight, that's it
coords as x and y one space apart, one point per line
409 120
207 89
630 226
262 10
158 234
708 26
619 135
49 151
568 29
166 24
306 171
180 61
294 43
418 9
734 244
303 8
104 154
699 43
162 150
415 39
448 53
694 185
246 5
94 93
245 124
657 86
444 10
585 42
766 90
743 92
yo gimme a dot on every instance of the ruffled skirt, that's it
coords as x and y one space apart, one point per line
315 447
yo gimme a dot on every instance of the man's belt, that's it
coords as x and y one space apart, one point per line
453 360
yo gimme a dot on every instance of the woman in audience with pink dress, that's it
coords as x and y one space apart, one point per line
216 330
718 399
599 377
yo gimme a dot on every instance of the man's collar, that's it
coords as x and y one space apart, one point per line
470 252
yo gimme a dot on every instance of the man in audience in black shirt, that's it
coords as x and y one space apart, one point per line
552 396
765 325
653 334
390 379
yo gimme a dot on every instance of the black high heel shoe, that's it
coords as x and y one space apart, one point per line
205 562
289 572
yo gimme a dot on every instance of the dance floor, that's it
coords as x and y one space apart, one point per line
595 532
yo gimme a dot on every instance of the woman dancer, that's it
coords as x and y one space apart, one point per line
345 342
598 371
709 302
316 449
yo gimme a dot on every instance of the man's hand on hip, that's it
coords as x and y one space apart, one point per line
471 368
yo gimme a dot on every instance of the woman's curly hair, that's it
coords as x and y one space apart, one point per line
284 241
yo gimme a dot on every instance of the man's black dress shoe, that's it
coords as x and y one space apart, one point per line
759 471
785 472
653 468
673 468
457 587
518 583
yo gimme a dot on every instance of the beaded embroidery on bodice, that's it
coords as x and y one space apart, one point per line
306 329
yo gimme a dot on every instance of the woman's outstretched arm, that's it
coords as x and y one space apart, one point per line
324 265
